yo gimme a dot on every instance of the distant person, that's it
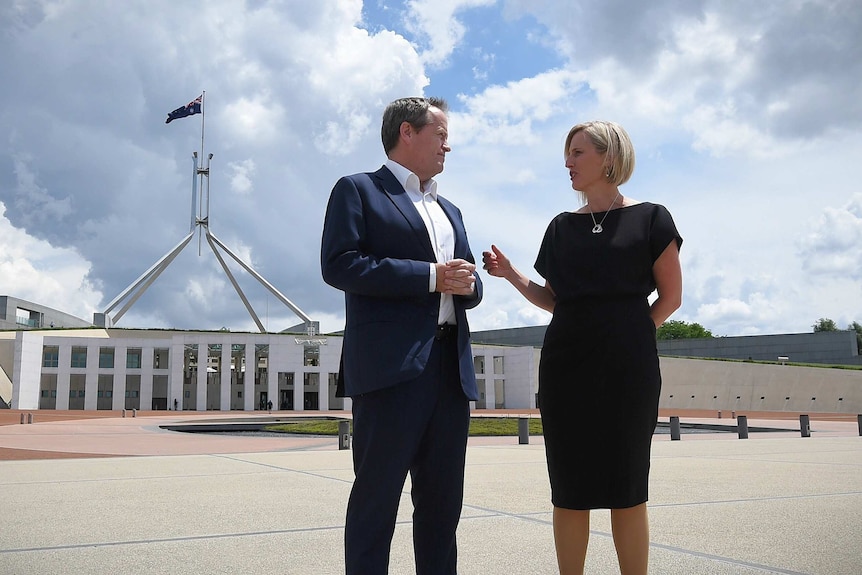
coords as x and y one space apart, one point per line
599 366
399 252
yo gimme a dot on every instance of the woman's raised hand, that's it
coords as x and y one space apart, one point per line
495 262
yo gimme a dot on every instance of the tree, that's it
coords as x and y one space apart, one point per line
824 324
675 329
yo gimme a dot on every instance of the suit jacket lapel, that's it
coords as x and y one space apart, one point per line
389 184
458 231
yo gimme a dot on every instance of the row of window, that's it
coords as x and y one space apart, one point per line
51 357
80 393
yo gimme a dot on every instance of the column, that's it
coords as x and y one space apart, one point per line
203 364
225 375
147 355
64 363
248 398
175 379
120 352
91 383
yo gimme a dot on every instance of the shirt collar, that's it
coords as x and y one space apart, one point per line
410 181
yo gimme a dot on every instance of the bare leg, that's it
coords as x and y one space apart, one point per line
571 535
630 527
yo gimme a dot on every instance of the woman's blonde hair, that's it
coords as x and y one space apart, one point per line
613 141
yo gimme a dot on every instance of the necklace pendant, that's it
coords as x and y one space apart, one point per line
597 229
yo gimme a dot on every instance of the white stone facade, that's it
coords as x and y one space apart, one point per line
117 369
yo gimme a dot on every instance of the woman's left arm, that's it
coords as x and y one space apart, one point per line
668 280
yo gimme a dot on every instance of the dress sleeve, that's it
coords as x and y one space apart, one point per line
663 232
543 263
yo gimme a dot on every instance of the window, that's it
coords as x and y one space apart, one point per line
312 355
50 356
133 358
79 357
479 364
160 358
498 365
106 357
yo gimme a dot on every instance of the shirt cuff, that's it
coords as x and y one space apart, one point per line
432 279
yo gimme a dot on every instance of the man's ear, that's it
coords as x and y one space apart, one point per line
406 130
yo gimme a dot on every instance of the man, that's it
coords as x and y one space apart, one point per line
400 254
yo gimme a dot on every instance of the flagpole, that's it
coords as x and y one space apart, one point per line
204 216
203 119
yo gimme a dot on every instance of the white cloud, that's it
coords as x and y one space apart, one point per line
36 271
435 22
243 172
254 119
834 247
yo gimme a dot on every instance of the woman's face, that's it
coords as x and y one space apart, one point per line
586 166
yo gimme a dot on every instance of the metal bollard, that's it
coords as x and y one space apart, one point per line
523 431
719 414
124 413
674 428
804 426
742 426
29 418
343 435
24 418
859 421
134 412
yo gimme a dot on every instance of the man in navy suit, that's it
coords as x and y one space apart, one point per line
400 254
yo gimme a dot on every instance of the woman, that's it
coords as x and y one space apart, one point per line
599 361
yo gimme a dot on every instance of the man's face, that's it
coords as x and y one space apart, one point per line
429 146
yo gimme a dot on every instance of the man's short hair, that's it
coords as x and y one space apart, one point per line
411 110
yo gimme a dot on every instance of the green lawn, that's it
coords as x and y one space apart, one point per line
479 426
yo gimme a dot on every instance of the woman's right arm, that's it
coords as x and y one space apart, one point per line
498 265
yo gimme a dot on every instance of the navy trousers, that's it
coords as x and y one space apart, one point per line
417 427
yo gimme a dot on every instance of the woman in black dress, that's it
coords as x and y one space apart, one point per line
599 362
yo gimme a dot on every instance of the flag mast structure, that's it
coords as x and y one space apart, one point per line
200 223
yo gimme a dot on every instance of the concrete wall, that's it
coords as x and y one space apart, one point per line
7 354
514 387
733 385
44 316
5 389
830 347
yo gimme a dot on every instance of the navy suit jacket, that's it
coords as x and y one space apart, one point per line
375 248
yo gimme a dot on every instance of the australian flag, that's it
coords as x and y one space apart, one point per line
193 107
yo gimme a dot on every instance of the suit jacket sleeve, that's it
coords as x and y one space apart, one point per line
358 222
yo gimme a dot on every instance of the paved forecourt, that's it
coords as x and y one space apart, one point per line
180 503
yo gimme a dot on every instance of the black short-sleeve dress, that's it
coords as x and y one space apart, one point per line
599 378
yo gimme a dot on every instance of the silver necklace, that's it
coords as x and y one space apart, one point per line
597 227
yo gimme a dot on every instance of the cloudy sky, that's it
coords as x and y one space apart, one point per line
746 118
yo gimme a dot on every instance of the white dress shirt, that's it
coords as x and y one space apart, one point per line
439 228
